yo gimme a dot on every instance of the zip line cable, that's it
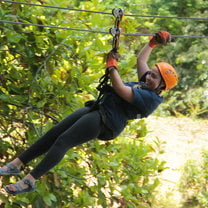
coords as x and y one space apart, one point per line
108 13
56 7
51 26
93 31
167 17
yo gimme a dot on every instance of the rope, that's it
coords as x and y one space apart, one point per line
108 13
94 31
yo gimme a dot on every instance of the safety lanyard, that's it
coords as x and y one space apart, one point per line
116 31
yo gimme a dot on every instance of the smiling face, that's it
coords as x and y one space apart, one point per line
154 79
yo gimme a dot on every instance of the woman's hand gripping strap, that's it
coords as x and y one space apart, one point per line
111 60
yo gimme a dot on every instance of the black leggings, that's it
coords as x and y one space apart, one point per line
79 127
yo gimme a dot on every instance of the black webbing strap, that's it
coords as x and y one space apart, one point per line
115 32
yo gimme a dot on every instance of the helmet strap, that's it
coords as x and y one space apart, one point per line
159 89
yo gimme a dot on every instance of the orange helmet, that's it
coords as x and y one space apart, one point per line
169 74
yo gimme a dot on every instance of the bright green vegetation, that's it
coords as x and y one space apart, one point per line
45 74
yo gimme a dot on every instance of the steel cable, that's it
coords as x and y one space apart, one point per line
108 13
94 31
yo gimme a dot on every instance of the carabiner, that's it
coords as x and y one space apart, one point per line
118 13
115 31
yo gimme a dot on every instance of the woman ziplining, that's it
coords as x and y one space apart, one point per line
105 121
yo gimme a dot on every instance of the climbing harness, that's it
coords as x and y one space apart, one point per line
103 81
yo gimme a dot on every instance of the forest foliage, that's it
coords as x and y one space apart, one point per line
48 73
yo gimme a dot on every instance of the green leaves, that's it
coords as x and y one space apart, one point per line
47 72
49 199
193 182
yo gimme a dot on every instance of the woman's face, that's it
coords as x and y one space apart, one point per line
154 79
